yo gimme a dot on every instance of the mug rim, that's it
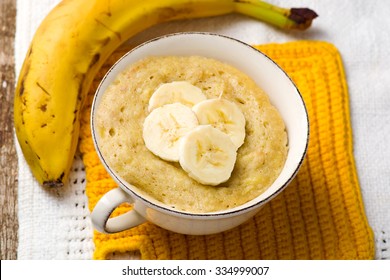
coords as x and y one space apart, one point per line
220 213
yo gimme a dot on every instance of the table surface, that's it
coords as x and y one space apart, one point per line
8 158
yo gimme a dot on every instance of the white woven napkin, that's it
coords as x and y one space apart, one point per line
55 224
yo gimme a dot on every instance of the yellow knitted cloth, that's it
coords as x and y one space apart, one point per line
319 216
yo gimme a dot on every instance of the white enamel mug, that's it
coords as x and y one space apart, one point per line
267 74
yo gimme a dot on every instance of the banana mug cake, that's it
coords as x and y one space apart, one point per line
192 132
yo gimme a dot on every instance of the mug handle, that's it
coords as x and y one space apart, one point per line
100 215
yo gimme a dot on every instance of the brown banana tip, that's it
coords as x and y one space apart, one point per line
302 15
53 184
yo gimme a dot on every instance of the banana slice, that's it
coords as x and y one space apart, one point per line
163 128
180 91
207 155
224 115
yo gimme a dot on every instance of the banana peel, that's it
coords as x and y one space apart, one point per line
70 46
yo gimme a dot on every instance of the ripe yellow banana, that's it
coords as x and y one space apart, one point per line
66 52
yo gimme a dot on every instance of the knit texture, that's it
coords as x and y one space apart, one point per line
320 215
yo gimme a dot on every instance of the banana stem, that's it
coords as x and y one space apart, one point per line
293 18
